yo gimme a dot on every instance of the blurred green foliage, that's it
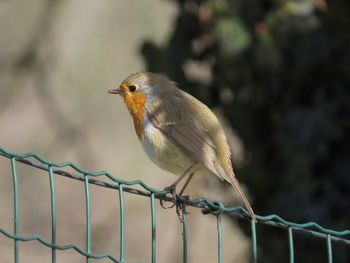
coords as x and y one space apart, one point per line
280 70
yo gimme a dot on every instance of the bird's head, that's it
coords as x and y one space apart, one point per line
138 88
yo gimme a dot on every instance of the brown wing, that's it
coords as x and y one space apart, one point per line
184 132
192 140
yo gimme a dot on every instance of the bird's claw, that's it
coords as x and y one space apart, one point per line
170 188
181 209
180 206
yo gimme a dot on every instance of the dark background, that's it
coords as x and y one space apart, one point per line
280 71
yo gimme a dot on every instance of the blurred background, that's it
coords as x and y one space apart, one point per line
276 72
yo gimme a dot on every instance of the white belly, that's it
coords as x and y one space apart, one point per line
164 153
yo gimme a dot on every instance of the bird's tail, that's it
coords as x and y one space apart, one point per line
238 189
230 177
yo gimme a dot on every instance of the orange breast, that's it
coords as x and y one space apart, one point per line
136 106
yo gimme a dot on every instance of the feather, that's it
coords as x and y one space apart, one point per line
193 127
207 146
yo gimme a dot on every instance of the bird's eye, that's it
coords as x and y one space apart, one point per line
132 88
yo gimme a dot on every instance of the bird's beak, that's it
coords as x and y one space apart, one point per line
115 91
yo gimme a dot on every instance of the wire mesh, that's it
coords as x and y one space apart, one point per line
53 215
215 208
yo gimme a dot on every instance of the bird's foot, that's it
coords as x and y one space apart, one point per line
172 192
181 208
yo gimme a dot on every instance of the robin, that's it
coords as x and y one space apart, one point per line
178 132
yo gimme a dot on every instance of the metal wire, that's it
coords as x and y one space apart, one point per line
53 215
184 235
153 226
15 209
88 217
254 243
207 206
122 219
291 245
219 228
329 249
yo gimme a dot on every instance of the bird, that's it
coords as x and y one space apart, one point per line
178 133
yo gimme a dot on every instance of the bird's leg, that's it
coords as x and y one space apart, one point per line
181 210
180 207
186 184
172 187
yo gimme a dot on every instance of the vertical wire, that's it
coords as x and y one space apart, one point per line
291 245
184 234
254 243
88 217
53 215
219 227
153 218
122 226
15 210
329 248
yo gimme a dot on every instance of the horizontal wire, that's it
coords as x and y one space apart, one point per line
207 206
78 169
98 182
48 244
269 220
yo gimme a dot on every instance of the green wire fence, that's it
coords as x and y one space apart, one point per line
214 208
